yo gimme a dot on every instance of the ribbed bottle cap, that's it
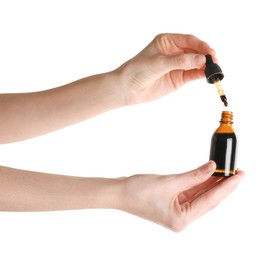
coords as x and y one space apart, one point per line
212 70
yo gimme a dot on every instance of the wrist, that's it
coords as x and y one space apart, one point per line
121 86
130 82
115 90
105 193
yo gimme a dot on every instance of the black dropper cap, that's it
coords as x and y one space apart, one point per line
212 70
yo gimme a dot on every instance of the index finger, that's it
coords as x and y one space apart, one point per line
173 44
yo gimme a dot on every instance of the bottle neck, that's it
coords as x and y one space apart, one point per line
227 118
226 123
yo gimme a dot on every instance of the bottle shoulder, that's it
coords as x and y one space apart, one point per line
225 128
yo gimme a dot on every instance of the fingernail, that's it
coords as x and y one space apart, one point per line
200 60
240 173
210 166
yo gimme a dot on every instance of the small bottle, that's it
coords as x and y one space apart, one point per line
223 148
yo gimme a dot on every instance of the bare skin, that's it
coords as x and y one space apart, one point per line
172 200
166 64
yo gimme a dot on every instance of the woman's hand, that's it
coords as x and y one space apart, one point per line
167 63
174 201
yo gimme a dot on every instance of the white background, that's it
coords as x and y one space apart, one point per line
45 44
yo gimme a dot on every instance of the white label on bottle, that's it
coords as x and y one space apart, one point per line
228 156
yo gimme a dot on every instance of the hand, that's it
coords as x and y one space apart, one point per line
174 201
167 63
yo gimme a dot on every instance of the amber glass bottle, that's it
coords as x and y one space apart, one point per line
223 148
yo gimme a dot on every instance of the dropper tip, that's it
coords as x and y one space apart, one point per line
224 100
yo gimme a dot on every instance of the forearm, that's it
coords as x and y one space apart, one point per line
31 191
27 115
167 63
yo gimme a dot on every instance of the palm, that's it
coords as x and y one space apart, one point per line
166 64
151 89
193 193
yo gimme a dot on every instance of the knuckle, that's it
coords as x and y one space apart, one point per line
195 176
161 36
177 226
179 59
163 42
179 221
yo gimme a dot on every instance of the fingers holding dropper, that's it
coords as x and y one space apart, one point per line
214 75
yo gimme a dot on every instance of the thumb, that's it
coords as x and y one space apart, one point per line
197 176
187 61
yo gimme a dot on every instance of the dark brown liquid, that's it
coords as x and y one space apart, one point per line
224 100
223 152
